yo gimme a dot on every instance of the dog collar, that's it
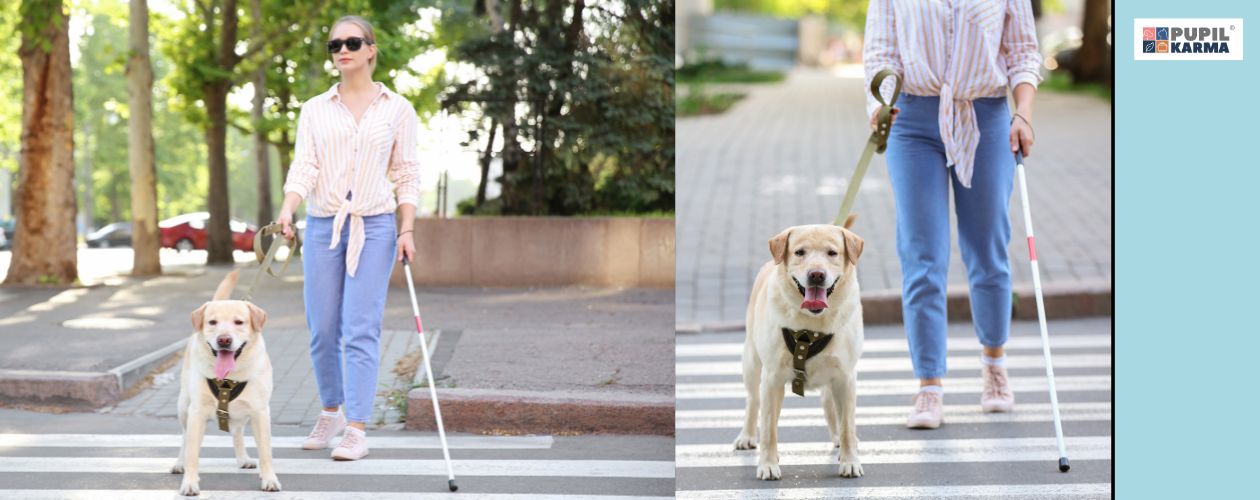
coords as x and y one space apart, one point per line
802 345
225 391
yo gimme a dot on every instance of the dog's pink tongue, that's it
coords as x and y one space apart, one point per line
815 298
225 364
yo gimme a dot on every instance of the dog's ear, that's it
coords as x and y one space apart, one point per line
257 317
199 317
848 222
779 246
852 245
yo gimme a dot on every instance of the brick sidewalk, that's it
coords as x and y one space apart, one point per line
783 156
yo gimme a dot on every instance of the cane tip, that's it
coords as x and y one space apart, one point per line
1063 464
452 485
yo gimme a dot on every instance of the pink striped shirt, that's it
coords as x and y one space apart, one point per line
374 160
959 50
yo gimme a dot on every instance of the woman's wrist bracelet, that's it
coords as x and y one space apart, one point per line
402 233
1025 120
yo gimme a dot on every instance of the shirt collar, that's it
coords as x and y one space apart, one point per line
332 95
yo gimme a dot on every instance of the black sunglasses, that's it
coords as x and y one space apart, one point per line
353 43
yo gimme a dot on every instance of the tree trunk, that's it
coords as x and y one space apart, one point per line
145 240
504 85
285 146
485 165
219 242
1091 59
44 250
261 157
85 177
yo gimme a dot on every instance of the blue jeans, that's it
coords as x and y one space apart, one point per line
921 186
345 313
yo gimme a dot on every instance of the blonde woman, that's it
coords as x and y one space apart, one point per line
354 165
954 129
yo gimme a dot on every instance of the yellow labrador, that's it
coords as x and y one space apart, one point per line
809 292
227 344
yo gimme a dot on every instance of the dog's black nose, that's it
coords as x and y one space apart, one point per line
224 341
817 278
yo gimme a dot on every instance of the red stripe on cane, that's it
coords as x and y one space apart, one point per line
1032 249
419 327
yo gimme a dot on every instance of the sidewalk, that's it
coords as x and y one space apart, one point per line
783 156
598 343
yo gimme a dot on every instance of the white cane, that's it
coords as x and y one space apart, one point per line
428 370
1041 310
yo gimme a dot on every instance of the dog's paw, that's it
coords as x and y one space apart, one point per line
744 442
271 483
248 463
177 469
851 469
189 488
769 472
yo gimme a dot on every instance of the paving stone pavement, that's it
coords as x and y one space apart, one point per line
295 399
783 157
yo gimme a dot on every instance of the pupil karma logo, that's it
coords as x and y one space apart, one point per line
1154 40
1188 39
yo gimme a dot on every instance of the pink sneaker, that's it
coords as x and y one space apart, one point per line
325 428
928 412
353 445
997 395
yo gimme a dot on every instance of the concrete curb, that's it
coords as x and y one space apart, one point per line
882 307
531 412
81 389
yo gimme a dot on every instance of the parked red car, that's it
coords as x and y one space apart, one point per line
188 232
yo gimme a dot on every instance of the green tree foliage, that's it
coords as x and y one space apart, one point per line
10 93
586 91
850 12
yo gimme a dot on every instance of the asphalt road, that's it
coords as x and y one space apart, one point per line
973 455
85 455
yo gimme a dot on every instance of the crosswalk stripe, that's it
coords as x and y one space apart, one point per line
373 467
223 440
902 452
896 415
1021 491
872 365
955 344
288 495
910 386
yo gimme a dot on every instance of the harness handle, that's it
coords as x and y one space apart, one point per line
883 123
265 259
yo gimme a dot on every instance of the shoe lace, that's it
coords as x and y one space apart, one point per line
322 426
995 383
349 440
926 401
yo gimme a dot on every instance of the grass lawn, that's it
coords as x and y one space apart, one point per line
1060 81
699 103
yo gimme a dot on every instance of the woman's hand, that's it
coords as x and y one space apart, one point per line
286 223
1021 134
291 201
406 246
875 117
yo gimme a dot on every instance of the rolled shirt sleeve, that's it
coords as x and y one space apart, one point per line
879 50
404 164
305 167
1019 45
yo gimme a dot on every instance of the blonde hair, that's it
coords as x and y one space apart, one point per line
368 33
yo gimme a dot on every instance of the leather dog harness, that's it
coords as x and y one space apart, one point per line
803 344
226 391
